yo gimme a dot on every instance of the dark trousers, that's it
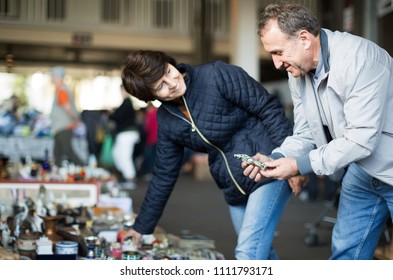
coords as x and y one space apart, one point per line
63 148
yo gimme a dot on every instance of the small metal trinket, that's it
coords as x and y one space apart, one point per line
249 160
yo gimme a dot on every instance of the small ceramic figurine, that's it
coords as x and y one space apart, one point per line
33 222
20 210
6 238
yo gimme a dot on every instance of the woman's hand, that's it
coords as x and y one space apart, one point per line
136 237
253 171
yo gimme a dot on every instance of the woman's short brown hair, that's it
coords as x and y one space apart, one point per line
141 70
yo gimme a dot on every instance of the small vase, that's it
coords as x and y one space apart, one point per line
50 223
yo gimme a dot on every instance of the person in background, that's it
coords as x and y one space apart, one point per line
218 109
342 90
126 135
95 121
10 115
139 151
14 109
151 131
64 119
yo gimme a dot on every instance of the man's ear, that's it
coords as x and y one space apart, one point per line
305 38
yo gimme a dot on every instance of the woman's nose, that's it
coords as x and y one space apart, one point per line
172 83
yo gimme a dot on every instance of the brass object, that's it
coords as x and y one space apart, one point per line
249 160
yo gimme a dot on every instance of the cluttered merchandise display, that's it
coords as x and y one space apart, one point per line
76 213
92 233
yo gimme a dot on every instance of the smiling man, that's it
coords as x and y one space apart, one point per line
342 90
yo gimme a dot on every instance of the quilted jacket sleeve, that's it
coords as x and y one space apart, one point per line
167 168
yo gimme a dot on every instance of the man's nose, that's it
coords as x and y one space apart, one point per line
277 62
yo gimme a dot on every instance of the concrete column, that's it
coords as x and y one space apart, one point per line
244 40
370 20
202 42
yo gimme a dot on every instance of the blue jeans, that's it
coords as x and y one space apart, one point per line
255 222
364 207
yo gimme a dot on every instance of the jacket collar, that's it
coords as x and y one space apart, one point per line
308 96
324 52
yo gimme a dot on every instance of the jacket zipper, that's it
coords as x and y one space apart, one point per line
195 128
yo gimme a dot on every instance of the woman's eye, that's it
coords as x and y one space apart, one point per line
158 88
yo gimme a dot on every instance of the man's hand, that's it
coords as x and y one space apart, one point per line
281 169
297 183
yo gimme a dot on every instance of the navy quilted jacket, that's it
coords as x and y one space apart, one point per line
234 113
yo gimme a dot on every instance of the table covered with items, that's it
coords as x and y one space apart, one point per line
72 212
93 233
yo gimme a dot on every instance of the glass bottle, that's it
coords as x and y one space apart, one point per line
46 166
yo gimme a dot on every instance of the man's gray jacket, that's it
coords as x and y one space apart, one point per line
356 92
